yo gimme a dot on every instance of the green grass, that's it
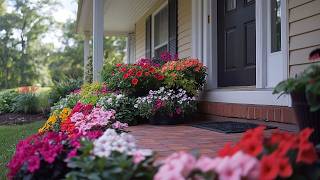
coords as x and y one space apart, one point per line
9 137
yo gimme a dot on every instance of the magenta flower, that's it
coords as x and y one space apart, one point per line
33 163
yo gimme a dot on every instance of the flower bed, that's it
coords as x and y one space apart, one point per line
85 137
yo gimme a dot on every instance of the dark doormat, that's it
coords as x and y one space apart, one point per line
228 126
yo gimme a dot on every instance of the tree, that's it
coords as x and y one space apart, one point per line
20 31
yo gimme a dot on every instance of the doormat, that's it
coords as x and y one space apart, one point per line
228 127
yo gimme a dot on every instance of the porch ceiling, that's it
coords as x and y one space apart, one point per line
119 15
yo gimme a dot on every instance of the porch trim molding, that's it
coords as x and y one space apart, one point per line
257 97
204 35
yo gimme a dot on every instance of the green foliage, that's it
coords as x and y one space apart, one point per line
20 58
64 87
117 166
307 83
123 105
68 102
25 103
89 71
6 100
68 61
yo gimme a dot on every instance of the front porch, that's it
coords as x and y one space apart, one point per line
166 140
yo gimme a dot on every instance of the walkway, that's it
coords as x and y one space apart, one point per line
168 139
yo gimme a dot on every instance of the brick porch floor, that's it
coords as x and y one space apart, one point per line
167 139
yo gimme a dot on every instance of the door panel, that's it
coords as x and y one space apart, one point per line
236 43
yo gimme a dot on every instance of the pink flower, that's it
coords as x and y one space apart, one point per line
206 164
33 163
119 125
177 166
72 154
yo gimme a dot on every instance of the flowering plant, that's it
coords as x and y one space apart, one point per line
158 61
54 121
168 102
133 79
86 117
91 93
43 155
28 89
67 102
182 165
112 155
188 74
122 104
282 155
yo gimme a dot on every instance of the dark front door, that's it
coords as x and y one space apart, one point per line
236 43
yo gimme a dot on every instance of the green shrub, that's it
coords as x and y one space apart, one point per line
25 103
123 105
88 74
6 100
63 88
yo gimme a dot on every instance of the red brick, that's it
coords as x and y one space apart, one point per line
257 113
250 113
278 115
270 114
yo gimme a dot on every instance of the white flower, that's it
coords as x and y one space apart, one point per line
136 106
119 96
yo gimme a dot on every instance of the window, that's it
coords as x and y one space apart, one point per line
275 26
160 31
231 5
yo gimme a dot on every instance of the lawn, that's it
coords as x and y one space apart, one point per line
9 137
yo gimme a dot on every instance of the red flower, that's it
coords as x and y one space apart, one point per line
134 81
119 65
123 69
152 70
160 77
269 169
146 73
139 74
305 134
125 76
285 168
307 153
252 146
228 150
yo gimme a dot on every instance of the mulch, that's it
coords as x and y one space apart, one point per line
14 118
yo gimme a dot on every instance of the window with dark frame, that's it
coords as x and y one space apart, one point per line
161 31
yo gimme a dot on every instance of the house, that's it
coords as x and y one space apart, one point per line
248 45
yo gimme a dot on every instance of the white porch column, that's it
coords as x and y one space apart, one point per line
98 37
86 51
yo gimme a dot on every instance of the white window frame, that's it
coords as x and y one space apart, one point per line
152 36
261 94
276 60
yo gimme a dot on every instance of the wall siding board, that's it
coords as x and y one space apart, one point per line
304 33
306 25
301 56
295 3
306 10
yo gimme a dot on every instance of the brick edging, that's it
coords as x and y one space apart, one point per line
254 112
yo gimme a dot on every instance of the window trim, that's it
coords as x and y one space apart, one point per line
153 48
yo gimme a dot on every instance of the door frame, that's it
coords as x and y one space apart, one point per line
204 39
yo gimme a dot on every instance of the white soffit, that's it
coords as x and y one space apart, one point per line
119 15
